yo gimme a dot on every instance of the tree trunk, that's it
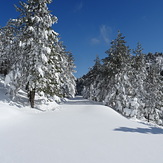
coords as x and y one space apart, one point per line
148 117
32 98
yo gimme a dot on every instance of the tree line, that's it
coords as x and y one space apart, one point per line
128 81
32 57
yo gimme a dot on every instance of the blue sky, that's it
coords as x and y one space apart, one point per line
87 26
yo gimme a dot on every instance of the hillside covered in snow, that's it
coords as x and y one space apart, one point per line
78 131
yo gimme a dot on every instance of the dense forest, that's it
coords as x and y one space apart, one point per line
127 80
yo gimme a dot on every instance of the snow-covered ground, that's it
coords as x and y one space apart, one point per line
79 131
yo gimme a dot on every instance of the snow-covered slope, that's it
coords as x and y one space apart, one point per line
79 132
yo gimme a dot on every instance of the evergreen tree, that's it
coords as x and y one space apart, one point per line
153 93
120 68
68 80
139 76
79 86
118 54
130 84
92 80
37 63
7 38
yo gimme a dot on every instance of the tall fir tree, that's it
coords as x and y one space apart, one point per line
138 78
119 67
153 92
118 54
7 39
37 64
68 80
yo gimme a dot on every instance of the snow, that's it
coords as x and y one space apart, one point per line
48 51
79 131
30 28
41 72
8 78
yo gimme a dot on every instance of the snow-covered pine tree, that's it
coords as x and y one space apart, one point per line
138 78
119 66
70 75
7 58
129 84
97 91
1 51
153 91
118 54
36 67
79 86
67 78
91 81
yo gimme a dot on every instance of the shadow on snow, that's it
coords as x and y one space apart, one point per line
150 130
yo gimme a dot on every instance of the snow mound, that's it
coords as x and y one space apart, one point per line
21 101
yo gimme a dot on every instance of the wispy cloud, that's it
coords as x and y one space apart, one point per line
95 41
79 6
105 31
104 35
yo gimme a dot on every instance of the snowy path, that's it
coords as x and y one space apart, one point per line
79 132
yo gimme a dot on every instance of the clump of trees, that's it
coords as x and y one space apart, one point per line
32 57
128 81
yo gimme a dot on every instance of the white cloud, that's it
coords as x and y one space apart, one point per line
104 35
105 31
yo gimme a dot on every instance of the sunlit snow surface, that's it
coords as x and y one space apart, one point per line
79 132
